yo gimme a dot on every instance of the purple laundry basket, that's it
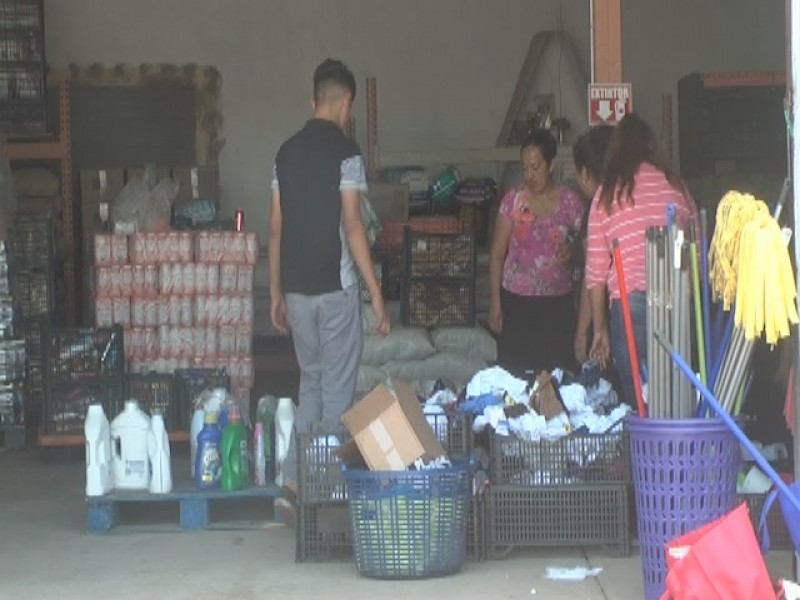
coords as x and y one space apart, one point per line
684 475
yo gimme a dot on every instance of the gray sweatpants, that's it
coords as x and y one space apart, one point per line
328 341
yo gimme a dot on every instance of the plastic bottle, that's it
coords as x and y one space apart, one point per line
233 449
194 430
99 480
260 456
265 414
208 466
129 456
284 422
158 448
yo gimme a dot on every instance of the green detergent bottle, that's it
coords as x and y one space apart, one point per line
235 468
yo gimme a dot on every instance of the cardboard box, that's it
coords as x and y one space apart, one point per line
196 183
389 200
389 430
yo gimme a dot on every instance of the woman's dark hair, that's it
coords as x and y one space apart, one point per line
589 151
544 141
632 144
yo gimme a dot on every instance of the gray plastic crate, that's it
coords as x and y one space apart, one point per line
779 538
319 470
323 532
578 459
597 515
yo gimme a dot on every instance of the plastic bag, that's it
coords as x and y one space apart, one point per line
144 204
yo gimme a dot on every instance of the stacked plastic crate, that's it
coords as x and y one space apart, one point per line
439 286
33 288
572 491
185 300
12 366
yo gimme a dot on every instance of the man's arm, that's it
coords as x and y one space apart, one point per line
359 249
277 301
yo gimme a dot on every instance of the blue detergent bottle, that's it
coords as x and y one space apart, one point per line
208 463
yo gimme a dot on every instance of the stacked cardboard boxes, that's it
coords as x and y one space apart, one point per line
184 299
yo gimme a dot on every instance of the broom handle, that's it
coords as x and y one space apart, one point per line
626 314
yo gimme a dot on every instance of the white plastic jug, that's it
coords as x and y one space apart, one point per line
194 429
131 461
284 422
97 431
158 449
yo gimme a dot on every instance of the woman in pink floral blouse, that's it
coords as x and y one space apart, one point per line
531 307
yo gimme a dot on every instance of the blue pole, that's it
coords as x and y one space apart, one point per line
728 420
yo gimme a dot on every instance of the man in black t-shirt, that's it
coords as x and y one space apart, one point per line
316 242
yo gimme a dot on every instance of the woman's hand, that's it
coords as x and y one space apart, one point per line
600 351
581 347
495 317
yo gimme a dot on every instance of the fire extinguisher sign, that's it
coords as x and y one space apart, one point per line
609 102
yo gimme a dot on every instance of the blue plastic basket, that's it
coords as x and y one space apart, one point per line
410 524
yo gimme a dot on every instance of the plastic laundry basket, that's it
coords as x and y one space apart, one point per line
684 474
409 524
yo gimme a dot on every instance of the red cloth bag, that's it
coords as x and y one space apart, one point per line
719 561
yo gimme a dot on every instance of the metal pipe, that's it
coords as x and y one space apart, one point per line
649 296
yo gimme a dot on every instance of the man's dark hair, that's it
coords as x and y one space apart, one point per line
333 73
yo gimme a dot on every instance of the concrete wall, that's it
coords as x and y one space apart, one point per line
445 69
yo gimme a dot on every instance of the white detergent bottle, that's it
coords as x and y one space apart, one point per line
97 431
195 428
131 461
158 449
284 422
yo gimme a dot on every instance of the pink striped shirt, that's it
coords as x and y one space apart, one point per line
652 193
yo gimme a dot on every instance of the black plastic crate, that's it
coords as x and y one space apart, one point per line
33 332
84 354
32 242
34 292
439 254
432 303
579 459
156 392
779 537
365 294
476 530
34 388
323 531
392 272
597 515
319 470
65 405
190 383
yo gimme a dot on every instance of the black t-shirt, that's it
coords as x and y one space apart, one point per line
311 170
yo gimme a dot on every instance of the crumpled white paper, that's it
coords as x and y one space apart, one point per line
573 574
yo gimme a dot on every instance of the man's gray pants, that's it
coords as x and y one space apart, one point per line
328 341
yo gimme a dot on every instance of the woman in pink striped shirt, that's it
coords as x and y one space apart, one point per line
637 188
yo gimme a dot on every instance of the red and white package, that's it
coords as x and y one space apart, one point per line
244 338
149 342
250 248
217 247
152 248
212 310
212 341
138 280
187 341
165 282
199 340
104 312
103 287
186 311
137 314
125 280
162 247
227 340
151 311
136 249
173 246
200 313
202 241
163 340
151 280
200 278
185 247
119 249
163 310
244 279
223 363
122 310
235 309
224 315
246 372
247 310
174 310
227 277
113 280
212 278
188 278
235 247
102 249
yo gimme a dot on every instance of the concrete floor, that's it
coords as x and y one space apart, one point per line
45 553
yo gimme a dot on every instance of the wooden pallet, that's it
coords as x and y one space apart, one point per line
103 513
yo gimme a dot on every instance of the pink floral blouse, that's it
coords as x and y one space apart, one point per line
532 266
